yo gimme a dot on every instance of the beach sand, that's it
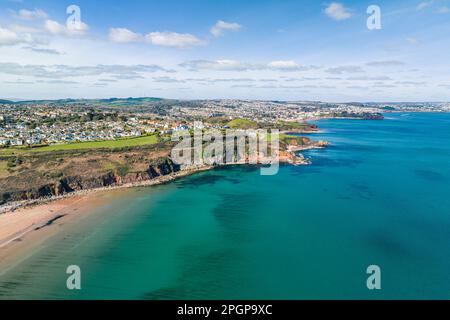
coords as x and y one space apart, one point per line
27 226
25 229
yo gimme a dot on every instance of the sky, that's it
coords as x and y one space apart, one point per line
225 49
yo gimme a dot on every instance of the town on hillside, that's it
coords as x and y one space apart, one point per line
36 123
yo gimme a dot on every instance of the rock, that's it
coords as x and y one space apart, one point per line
67 185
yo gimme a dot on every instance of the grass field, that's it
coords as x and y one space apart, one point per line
242 124
122 143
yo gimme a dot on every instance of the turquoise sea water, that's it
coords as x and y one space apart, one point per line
378 195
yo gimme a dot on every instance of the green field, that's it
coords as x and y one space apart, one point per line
242 124
122 143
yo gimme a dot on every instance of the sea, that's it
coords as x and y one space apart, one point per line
379 195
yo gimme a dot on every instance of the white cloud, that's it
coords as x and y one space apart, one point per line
68 71
424 5
54 27
225 65
9 37
58 81
284 65
220 65
24 29
345 69
443 10
173 39
165 39
167 80
385 63
44 50
57 28
234 65
32 14
338 12
123 35
221 26
367 78
412 40
411 83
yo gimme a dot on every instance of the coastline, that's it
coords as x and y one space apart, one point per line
14 206
26 224
288 156
22 231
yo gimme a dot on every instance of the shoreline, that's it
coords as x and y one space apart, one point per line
37 218
19 219
24 232
289 158
26 224
18 205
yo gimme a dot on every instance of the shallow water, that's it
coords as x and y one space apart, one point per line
377 195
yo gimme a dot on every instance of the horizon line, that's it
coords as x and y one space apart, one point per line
21 100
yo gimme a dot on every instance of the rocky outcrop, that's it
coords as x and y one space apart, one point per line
160 167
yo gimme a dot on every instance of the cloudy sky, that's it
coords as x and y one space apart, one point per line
265 49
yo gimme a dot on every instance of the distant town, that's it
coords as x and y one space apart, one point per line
35 123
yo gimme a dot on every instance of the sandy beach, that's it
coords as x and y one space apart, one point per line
24 229
23 225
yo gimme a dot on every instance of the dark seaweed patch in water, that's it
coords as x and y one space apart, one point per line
200 180
297 171
208 274
362 190
49 222
232 180
429 175
388 245
232 206
355 147
235 213
6 287
207 179
247 168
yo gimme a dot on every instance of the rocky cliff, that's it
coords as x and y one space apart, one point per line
65 185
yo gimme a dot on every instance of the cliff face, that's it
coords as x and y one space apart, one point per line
65 185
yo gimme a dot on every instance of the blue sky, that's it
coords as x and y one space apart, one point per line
266 49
